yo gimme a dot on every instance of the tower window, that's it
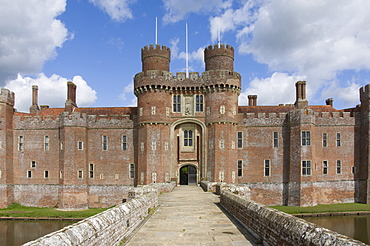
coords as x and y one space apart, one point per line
33 164
338 139
177 103
46 143
324 140
325 167
188 138
124 142
104 142
306 138
339 166
91 171
276 139
267 168
29 174
20 143
306 168
80 145
46 174
240 168
240 140
199 103
132 171
79 174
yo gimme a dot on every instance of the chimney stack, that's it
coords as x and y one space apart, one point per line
34 107
301 101
70 104
252 100
329 101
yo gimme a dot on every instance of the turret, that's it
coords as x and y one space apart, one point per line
219 57
155 58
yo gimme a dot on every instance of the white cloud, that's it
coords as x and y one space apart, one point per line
52 91
127 95
317 39
29 35
196 56
118 10
277 89
177 10
347 94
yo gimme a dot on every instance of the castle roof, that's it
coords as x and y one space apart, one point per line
88 111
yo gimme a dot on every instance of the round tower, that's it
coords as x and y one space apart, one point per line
219 57
155 58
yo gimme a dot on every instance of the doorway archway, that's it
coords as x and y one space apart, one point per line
188 175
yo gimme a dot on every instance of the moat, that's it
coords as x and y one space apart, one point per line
18 232
357 227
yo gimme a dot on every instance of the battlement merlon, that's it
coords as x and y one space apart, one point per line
365 96
7 96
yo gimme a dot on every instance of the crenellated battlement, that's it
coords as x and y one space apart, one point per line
208 80
7 96
156 47
219 57
155 57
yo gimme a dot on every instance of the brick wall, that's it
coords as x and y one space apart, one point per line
272 227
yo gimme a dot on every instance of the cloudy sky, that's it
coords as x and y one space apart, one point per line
96 44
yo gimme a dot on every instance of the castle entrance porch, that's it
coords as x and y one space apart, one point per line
188 175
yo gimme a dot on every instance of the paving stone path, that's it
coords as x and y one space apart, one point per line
189 216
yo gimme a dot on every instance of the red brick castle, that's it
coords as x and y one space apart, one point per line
185 129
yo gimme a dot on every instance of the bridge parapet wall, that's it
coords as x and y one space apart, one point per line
106 228
273 227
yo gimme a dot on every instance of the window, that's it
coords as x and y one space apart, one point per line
80 174
33 164
29 174
46 174
46 143
61 174
338 139
104 142
91 170
199 103
276 139
132 171
188 138
124 142
267 168
240 140
154 145
325 167
306 138
324 140
353 170
80 145
240 168
20 143
177 103
306 168
339 166
102 176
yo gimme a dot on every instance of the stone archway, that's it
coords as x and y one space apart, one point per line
188 175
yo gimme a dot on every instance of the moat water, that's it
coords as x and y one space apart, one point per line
357 227
18 232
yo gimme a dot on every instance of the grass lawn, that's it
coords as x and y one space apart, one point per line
340 207
16 210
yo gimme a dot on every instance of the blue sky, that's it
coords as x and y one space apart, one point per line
97 43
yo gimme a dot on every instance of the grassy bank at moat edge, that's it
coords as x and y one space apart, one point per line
18 211
331 208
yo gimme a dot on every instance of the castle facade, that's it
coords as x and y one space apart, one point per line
185 129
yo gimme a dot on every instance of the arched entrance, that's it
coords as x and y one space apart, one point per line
188 175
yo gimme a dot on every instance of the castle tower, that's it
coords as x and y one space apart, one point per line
154 105
221 117
6 147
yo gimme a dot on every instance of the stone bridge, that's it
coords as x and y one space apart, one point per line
190 216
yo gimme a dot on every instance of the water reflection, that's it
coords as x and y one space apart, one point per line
16 232
357 227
